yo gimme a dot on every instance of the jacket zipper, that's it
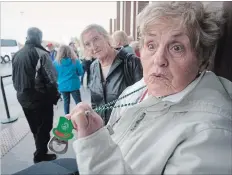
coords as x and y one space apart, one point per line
132 125
103 83
138 121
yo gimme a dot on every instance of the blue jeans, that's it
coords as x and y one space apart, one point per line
66 97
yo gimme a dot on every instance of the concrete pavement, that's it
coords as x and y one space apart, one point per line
17 143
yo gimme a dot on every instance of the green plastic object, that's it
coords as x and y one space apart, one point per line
64 129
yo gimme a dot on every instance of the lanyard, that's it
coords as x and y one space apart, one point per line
143 96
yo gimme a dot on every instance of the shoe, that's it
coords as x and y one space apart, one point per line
46 157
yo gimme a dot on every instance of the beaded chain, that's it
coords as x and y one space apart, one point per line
111 105
107 106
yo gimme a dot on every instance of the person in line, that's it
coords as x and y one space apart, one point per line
34 79
73 46
69 70
112 71
120 40
52 51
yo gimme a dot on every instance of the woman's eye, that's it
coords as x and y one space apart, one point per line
151 46
87 44
95 39
178 48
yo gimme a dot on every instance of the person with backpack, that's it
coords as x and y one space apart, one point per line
112 71
69 69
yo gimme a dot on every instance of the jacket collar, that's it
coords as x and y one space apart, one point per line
114 65
175 98
207 93
33 44
121 55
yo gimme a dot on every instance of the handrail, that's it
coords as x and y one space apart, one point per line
9 119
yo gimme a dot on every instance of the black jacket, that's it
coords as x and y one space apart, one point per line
103 92
86 63
223 59
34 77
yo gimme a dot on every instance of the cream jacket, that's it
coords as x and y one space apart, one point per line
186 133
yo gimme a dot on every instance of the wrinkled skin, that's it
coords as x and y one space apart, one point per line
96 45
84 124
169 62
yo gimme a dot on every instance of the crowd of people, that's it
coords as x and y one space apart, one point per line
164 112
41 77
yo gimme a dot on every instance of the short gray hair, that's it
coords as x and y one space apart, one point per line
35 35
120 36
134 45
97 28
202 22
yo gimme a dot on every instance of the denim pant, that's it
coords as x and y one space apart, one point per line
66 97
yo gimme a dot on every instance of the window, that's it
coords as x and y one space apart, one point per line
8 43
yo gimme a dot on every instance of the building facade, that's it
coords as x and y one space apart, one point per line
126 17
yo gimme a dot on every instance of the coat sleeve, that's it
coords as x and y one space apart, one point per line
208 152
99 154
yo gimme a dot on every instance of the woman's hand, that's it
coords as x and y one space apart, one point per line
85 124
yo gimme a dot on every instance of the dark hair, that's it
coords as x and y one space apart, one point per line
34 35
71 43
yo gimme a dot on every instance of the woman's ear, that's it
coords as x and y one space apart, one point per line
203 65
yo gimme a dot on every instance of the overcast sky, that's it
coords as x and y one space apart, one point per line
59 21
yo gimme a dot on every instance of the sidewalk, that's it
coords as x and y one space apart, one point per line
18 136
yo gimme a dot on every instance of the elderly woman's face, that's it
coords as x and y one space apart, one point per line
95 44
169 62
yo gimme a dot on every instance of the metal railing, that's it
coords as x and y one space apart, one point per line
8 119
5 59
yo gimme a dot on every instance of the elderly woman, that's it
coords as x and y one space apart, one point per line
121 40
181 121
113 70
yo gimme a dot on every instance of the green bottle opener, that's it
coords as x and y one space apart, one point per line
62 133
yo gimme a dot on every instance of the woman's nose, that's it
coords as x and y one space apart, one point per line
93 46
160 58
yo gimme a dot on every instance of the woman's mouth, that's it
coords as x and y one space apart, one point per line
158 76
97 52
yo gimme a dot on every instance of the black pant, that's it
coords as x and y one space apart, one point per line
40 120
88 77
